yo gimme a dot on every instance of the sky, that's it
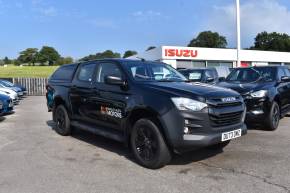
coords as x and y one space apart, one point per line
79 28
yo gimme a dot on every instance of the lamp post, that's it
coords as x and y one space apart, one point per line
238 32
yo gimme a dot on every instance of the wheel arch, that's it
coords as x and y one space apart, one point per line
277 99
58 100
140 113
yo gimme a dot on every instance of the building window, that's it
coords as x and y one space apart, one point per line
188 64
219 63
275 63
287 64
198 64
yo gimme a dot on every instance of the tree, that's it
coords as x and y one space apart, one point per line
16 62
129 53
102 55
48 54
7 60
64 60
28 56
150 48
272 42
209 39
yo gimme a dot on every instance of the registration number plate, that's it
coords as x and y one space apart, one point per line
231 135
10 104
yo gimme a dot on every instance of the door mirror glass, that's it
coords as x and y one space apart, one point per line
209 79
285 79
114 80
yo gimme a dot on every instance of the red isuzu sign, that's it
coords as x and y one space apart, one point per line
181 53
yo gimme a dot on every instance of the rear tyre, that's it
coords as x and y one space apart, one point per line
62 121
272 122
219 146
148 145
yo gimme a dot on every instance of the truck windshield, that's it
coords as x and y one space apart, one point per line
193 75
144 71
246 75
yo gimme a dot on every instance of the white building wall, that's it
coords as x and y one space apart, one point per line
169 55
202 54
173 63
265 56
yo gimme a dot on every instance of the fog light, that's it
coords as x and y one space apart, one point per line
186 130
257 112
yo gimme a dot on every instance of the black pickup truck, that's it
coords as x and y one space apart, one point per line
266 92
147 105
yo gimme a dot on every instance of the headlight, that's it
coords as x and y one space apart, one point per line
188 104
259 94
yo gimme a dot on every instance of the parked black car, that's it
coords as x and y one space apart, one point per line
147 105
266 91
202 75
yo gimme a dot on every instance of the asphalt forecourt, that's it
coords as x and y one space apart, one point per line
34 158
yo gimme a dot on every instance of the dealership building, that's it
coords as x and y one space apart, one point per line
195 57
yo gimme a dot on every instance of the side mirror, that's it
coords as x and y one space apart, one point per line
222 79
209 79
114 80
285 79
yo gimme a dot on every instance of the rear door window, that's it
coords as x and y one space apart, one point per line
64 73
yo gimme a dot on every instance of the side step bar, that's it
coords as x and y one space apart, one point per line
105 132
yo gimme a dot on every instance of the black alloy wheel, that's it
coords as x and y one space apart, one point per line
62 121
273 119
276 116
148 144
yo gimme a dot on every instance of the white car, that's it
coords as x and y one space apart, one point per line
12 94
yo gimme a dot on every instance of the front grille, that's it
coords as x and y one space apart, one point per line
229 104
226 119
225 113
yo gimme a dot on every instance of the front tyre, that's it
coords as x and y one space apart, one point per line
272 122
62 121
148 145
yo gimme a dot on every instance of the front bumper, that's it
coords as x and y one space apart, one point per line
6 108
204 140
20 94
257 109
202 132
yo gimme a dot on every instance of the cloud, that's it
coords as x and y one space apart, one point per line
256 16
43 9
146 15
